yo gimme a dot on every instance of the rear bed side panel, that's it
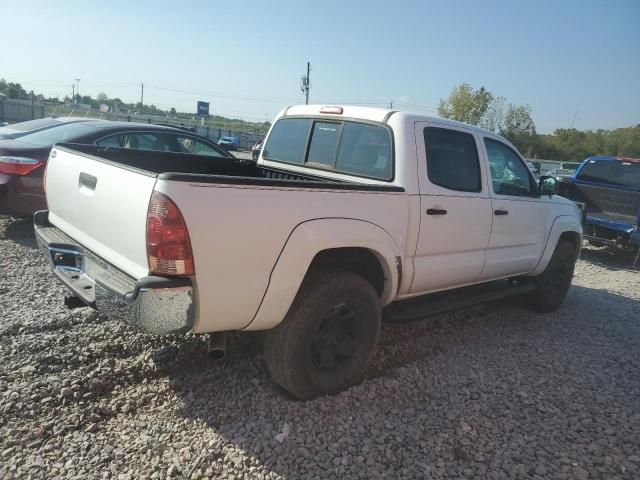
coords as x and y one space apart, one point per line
237 233
101 206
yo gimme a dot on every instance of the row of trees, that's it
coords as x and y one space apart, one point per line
15 90
481 107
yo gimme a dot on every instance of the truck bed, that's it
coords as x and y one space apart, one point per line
240 217
206 169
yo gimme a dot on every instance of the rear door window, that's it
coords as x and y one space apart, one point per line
163 142
140 141
452 159
192 145
110 141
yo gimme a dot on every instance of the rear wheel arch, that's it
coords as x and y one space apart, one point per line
359 260
356 246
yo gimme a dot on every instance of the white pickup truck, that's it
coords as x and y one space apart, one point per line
347 210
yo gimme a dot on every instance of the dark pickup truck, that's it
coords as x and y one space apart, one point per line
609 190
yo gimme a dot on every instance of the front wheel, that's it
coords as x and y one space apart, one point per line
552 285
326 341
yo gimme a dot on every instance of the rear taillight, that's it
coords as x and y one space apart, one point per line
168 244
18 165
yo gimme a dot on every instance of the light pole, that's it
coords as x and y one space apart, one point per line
77 88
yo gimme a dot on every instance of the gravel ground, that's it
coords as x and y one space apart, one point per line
488 392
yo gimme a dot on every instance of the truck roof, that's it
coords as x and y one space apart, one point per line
376 115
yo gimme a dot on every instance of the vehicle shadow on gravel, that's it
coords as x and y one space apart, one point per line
237 401
609 258
20 231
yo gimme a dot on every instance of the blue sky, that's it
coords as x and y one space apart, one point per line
247 57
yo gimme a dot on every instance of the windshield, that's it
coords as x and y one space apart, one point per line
31 125
615 172
61 133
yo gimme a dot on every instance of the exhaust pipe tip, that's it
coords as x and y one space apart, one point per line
217 345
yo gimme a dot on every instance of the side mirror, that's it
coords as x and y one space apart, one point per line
548 185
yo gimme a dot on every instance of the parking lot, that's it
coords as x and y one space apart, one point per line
493 391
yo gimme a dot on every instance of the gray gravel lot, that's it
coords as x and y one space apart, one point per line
489 392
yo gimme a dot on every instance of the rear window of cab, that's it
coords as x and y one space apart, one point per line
348 147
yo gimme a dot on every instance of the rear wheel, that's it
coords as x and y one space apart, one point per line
552 285
326 341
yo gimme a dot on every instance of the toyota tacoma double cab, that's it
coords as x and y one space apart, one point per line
347 210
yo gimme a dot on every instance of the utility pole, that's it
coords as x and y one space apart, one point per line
305 85
390 104
141 97
73 93
78 87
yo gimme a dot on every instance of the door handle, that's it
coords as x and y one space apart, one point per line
436 211
500 212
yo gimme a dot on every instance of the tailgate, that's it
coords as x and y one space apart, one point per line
101 205
616 202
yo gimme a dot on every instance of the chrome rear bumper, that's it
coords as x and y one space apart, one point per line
157 305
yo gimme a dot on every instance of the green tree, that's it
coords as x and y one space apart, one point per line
518 121
465 104
493 118
520 129
12 90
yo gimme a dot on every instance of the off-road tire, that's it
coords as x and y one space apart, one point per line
296 352
552 285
